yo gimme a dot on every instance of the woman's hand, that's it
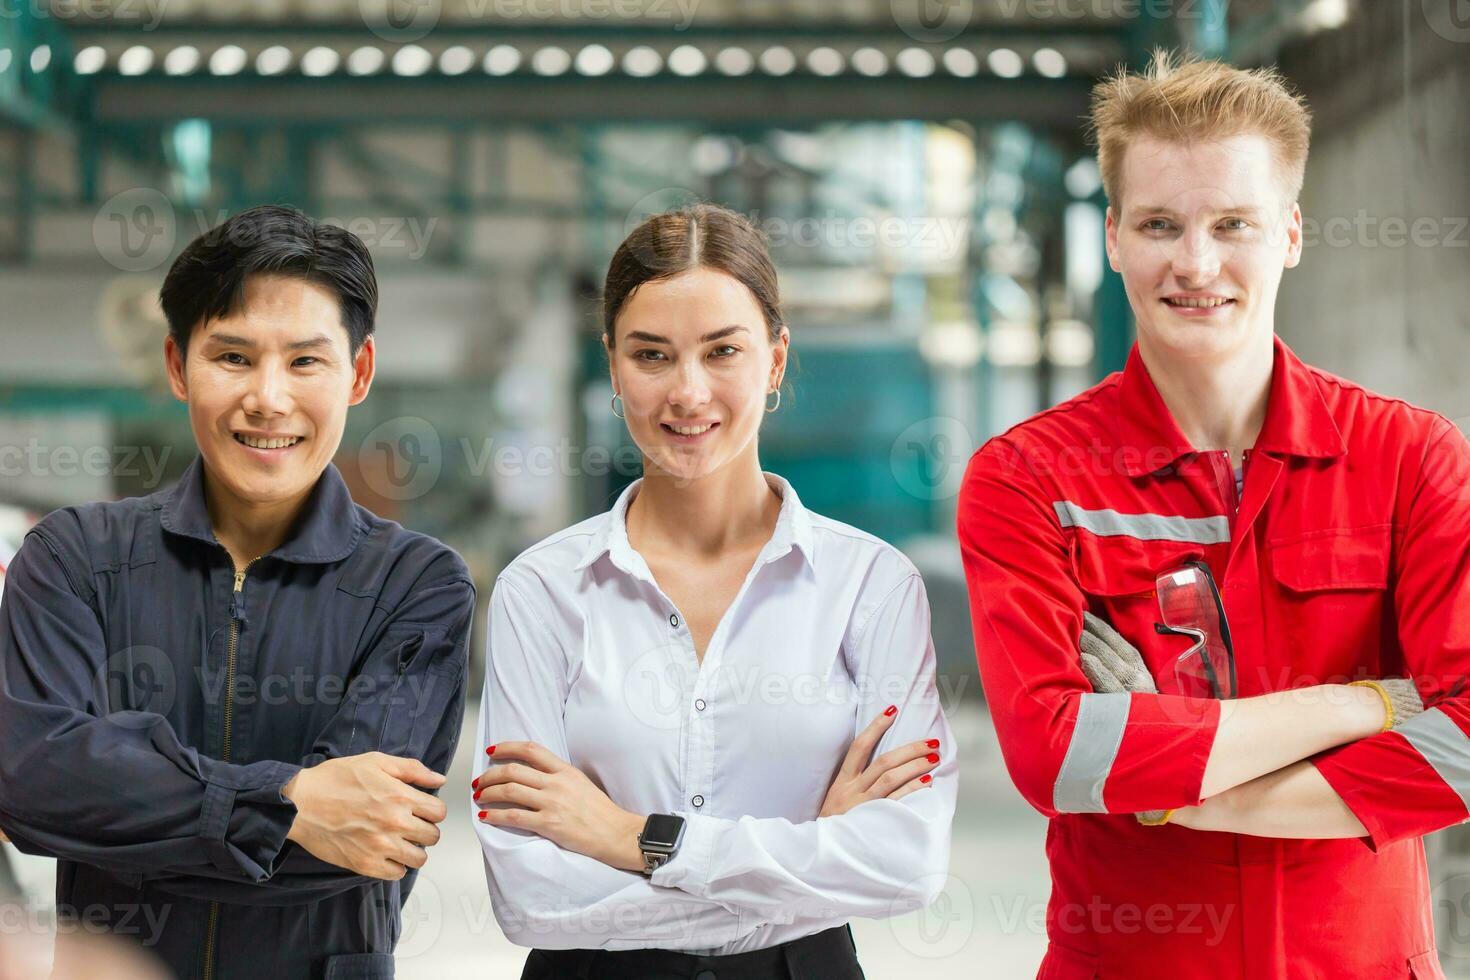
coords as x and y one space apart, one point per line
893 775
529 788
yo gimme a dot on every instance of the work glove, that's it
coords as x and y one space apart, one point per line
1114 665
1401 699
1110 662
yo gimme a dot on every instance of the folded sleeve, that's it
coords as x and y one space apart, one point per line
1068 749
1415 779
883 857
413 707
117 790
543 895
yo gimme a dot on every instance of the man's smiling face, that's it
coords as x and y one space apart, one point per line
268 388
1202 237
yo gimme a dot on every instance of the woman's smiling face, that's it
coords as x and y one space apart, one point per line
693 361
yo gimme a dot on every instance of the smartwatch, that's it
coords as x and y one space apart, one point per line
662 833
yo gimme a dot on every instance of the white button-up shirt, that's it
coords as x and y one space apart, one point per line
587 656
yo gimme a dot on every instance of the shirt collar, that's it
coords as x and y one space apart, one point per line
326 530
793 530
1298 421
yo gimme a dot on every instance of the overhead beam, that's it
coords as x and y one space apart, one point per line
300 101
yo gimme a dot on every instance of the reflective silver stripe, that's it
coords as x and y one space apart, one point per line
1444 746
1095 739
1146 527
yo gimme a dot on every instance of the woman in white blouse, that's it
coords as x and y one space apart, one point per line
711 716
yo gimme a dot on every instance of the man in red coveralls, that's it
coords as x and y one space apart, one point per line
1336 523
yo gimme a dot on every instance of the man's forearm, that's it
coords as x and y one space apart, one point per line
1292 802
1263 734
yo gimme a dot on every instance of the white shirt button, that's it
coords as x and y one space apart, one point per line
698 801
674 620
699 704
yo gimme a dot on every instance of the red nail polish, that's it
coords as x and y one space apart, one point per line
482 814
933 757
891 710
475 783
477 795
926 778
490 750
934 743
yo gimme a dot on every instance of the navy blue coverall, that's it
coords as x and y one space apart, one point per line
154 701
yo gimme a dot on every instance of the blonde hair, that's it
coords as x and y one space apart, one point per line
1185 100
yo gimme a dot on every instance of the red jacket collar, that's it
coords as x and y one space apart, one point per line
1298 421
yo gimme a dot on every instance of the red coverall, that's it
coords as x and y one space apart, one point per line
1347 556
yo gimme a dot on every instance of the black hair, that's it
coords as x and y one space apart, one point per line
208 278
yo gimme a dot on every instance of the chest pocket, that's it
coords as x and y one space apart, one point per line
1330 608
1110 569
1333 559
1118 575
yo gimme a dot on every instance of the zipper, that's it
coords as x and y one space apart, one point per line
237 617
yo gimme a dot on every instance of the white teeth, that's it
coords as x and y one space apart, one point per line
255 443
685 430
1203 303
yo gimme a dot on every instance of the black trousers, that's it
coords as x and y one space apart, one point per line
827 955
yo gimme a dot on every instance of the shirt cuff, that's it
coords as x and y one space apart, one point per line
689 869
246 828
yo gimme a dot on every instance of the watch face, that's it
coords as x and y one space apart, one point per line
662 830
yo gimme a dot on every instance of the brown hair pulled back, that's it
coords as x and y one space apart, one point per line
699 236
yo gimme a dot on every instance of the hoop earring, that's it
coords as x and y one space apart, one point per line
615 411
772 408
